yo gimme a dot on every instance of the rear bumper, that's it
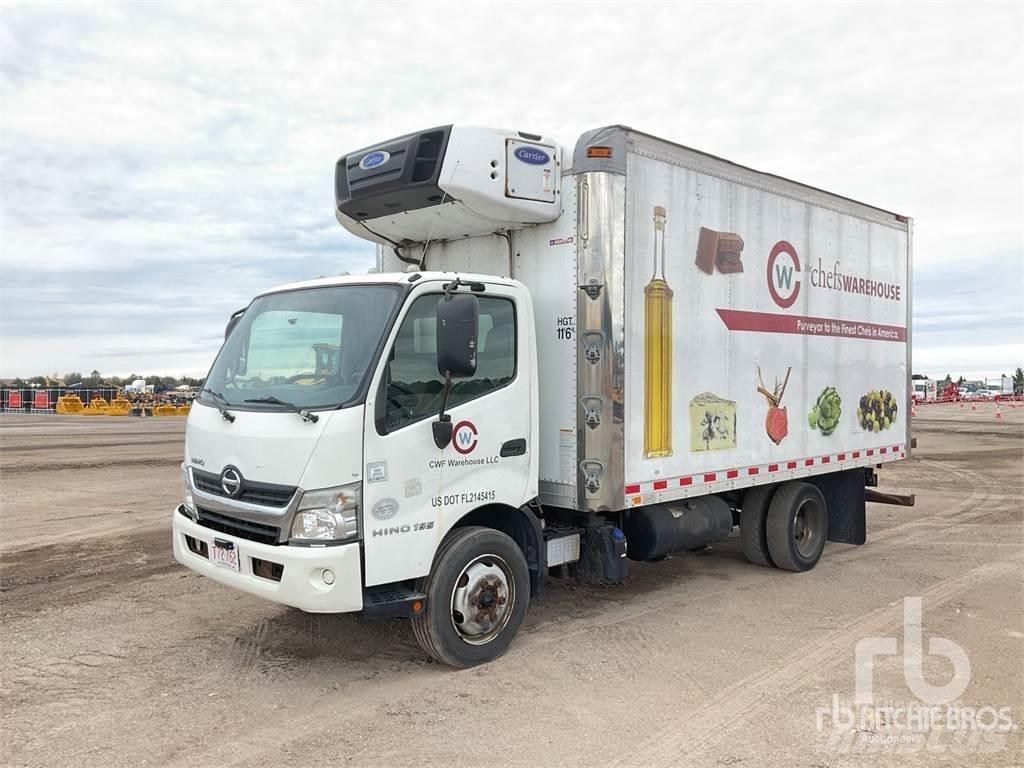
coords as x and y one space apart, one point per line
302 583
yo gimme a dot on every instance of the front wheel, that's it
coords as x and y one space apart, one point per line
477 594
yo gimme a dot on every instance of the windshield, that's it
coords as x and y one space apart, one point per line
310 347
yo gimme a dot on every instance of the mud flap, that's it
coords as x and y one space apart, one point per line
844 497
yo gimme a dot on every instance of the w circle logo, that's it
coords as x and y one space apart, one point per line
464 437
783 268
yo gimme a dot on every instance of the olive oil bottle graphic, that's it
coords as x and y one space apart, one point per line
658 352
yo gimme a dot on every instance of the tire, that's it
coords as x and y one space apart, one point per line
753 523
797 526
489 566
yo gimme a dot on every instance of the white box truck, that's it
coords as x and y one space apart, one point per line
925 390
567 358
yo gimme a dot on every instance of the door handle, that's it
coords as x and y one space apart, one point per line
515 447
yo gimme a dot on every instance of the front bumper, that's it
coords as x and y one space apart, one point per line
302 584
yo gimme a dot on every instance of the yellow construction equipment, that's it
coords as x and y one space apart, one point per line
119 406
69 404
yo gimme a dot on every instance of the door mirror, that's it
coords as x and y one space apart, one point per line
232 322
458 316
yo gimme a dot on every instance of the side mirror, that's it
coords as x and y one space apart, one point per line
232 322
458 317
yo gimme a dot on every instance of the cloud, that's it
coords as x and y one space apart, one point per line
160 164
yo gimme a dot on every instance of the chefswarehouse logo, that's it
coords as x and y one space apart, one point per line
784 278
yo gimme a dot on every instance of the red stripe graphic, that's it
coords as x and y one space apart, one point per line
773 322
710 477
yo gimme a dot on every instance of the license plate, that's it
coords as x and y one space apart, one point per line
225 554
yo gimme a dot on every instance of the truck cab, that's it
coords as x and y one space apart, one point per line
317 486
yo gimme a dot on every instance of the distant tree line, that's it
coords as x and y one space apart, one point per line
95 380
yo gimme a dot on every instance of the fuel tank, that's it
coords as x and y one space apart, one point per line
656 530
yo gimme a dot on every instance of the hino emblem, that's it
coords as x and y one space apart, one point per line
230 481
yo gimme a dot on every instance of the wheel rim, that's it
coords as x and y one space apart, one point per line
808 528
482 599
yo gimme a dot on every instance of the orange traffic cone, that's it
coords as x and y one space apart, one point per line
999 413
974 407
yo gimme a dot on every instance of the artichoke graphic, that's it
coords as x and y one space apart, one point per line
824 416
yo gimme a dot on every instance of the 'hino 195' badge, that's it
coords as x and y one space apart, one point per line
230 481
374 159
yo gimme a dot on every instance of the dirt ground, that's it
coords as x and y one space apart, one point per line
112 655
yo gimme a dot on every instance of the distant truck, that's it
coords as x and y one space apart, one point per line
1001 385
139 386
569 357
925 390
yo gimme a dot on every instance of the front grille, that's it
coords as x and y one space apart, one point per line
243 529
264 494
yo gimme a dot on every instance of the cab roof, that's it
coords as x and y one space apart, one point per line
392 278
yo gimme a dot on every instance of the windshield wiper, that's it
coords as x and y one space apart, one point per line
224 412
304 413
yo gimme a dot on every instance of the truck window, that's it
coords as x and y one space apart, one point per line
415 388
311 347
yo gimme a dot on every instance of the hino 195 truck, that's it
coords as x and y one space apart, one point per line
566 358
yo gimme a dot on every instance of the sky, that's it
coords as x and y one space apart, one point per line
162 163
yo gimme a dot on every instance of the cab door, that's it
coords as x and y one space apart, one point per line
413 491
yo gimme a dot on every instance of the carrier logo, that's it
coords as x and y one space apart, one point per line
374 159
783 267
532 155
464 437
230 481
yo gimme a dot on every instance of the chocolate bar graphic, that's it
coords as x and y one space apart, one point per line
721 249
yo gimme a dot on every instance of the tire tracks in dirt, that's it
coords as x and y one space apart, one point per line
746 698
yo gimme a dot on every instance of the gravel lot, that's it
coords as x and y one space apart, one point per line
112 655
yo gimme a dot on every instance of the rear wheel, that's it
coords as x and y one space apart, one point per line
753 523
797 526
477 594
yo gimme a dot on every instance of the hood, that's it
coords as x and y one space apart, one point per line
278 446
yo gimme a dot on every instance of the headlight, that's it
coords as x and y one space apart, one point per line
328 515
190 503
